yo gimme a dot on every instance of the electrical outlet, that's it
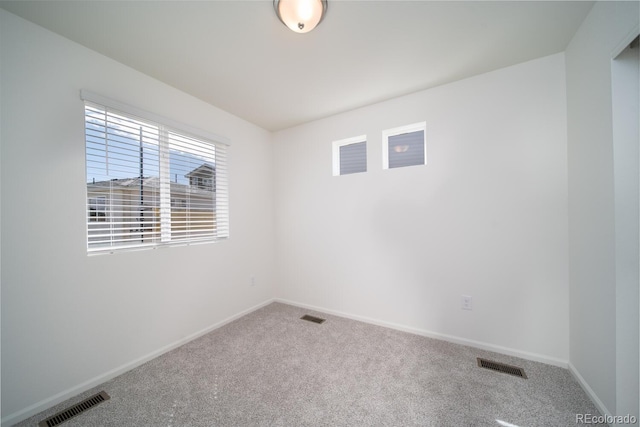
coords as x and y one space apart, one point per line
467 302
252 280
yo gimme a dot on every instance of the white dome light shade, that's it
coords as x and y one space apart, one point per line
300 16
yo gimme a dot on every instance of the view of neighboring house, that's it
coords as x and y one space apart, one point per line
202 177
131 207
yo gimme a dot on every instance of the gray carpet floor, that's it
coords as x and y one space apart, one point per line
269 368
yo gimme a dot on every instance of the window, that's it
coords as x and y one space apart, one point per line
97 209
404 146
350 155
150 183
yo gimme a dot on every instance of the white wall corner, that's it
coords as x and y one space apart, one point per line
589 391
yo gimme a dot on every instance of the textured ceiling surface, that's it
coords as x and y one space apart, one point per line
238 56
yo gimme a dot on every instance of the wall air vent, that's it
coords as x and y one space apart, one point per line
76 409
501 367
312 319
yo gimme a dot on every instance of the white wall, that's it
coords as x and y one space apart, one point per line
69 320
625 76
592 263
487 216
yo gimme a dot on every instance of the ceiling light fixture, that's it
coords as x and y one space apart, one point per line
401 148
300 16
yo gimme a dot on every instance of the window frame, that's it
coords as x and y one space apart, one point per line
336 145
401 130
168 130
95 209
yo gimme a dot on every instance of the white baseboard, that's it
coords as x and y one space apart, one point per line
74 391
592 395
449 338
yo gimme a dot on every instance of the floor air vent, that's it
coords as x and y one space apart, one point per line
312 319
76 409
501 367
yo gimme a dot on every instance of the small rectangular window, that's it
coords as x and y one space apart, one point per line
350 155
404 146
97 209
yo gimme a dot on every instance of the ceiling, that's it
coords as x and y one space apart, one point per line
238 56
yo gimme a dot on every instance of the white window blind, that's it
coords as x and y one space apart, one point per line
150 184
350 155
404 146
